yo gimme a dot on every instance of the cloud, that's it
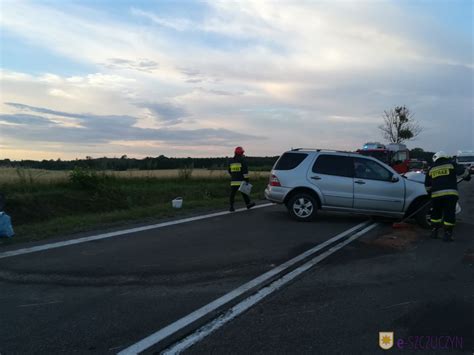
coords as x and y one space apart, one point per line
100 129
166 112
221 92
60 93
45 110
190 72
194 81
145 65
180 24
25 119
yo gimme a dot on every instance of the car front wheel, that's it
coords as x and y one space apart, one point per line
302 207
423 218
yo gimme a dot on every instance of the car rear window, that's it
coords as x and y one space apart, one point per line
333 165
290 161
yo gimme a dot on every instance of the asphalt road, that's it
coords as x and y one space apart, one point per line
105 295
424 288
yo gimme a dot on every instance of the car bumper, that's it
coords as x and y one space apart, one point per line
276 194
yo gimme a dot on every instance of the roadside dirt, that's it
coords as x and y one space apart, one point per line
397 239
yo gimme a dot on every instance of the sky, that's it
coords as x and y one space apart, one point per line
197 78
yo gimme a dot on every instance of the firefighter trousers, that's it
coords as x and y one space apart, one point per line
444 211
233 191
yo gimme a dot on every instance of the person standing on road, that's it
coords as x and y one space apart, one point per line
441 183
239 173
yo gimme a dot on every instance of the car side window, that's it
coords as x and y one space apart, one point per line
371 170
289 161
333 165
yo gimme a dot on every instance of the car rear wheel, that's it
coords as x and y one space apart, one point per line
302 207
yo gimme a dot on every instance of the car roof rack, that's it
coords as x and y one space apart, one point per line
297 149
321 150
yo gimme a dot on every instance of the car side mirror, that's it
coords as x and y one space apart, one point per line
394 179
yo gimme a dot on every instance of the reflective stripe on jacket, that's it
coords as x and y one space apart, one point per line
238 171
441 179
447 192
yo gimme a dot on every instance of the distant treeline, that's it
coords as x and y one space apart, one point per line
149 163
420 154
160 162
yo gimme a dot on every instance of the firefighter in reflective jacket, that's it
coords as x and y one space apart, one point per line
239 173
441 183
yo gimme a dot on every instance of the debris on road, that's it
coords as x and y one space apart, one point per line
398 240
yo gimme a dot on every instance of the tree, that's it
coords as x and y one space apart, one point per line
399 125
420 154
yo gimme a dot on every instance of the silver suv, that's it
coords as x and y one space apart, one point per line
306 180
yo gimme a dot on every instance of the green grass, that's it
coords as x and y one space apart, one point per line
62 208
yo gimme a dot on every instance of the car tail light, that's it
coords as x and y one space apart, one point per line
274 181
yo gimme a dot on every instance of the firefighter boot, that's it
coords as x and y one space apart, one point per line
448 235
434 232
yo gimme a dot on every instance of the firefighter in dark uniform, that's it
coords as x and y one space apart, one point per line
441 183
239 173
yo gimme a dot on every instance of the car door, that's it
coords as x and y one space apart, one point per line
332 175
376 187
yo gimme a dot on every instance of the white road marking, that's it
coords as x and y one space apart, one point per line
222 301
398 304
251 301
39 304
38 248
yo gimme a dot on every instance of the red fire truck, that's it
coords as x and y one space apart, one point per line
394 154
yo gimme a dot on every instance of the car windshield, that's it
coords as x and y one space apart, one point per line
416 165
466 159
378 154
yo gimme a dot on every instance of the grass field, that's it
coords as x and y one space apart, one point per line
39 176
45 204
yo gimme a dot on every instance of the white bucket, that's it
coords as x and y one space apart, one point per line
458 208
177 202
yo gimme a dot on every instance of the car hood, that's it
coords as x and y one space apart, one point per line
415 176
